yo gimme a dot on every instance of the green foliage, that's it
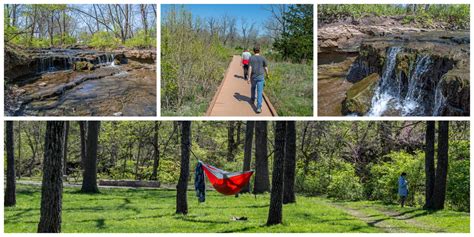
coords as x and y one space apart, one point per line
104 40
290 88
140 40
458 186
456 15
296 42
193 65
345 184
335 178
383 184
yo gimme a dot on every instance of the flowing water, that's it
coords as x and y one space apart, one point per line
109 90
390 97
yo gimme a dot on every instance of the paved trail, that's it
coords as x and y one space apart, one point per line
233 96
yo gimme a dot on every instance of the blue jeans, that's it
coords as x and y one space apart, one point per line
257 85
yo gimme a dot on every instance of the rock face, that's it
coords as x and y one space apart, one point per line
359 96
17 64
452 94
139 55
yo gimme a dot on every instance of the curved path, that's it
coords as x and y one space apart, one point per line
233 95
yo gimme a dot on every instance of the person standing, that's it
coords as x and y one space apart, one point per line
258 68
245 62
403 188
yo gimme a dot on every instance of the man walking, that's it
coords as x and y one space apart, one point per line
257 70
245 62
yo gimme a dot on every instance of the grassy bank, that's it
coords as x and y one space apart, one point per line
290 88
124 210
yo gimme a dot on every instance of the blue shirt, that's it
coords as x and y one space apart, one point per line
402 186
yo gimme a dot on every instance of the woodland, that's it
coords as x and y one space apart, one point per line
195 52
96 25
342 172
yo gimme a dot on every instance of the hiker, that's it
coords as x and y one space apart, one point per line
245 62
257 70
403 188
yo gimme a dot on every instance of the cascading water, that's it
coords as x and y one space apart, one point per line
440 101
412 104
389 93
386 88
56 60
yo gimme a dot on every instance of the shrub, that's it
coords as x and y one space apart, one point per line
383 183
104 40
140 40
345 185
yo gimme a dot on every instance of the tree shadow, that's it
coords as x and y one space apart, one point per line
247 99
100 223
193 219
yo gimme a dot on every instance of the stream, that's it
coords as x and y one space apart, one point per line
419 74
117 86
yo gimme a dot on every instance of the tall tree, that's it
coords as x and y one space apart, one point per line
275 214
290 163
89 182
83 135
262 182
248 151
156 152
439 193
429 164
230 140
66 135
296 42
181 188
10 189
52 185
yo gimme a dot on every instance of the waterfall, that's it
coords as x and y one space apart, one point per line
440 101
389 93
413 101
384 92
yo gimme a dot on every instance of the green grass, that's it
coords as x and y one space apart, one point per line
427 221
290 88
152 211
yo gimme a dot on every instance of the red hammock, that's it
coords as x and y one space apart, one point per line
227 183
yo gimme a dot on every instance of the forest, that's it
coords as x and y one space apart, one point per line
140 174
196 50
96 25
80 59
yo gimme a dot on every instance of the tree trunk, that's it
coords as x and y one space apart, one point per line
181 188
248 151
429 164
89 182
230 141
439 193
156 153
10 189
52 186
262 182
290 163
83 132
66 134
276 198
18 165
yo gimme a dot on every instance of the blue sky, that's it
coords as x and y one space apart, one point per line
253 12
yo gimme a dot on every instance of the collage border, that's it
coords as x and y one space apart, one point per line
315 117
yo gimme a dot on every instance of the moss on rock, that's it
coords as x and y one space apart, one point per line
359 96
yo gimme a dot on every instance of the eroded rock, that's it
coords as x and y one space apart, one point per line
359 96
